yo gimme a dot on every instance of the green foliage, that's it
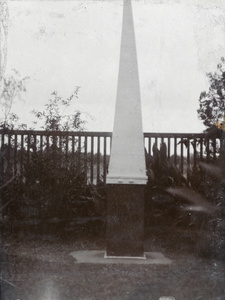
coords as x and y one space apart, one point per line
53 116
51 183
203 204
212 103
11 89
52 186
208 180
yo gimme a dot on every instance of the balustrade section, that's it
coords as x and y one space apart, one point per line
89 152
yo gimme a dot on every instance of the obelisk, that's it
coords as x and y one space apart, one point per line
126 179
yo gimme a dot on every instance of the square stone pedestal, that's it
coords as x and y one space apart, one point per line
125 220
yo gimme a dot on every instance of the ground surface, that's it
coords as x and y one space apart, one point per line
38 267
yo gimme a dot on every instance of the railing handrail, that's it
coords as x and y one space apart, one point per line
174 135
101 133
53 132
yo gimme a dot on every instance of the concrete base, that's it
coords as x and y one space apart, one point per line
125 220
98 257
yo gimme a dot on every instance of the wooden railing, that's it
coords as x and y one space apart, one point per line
89 152
185 149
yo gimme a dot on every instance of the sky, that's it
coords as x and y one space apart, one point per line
63 44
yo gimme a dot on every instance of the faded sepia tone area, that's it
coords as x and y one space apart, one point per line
112 150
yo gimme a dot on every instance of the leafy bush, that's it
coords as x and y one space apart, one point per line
52 193
53 116
51 185
212 103
10 90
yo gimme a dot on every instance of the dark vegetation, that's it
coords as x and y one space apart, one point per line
50 192
195 206
212 103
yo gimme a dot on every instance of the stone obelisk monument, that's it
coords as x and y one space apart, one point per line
126 178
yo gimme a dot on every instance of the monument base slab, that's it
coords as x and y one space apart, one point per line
98 257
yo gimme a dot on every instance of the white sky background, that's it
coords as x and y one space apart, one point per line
63 44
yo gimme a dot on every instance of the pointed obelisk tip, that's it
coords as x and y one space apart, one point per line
127 159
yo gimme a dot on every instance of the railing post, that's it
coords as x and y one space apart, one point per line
92 152
195 153
188 153
214 148
2 155
85 156
168 149
15 155
22 154
182 157
79 154
149 146
98 159
9 151
175 151
104 162
201 148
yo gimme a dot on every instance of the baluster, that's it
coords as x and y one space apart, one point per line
66 152
156 142
15 155
22 154
214 148
85 156
28 147
168 148
3 158
195 153
35 143
41 143
188 152
92 151
201 148
79 154
72 152
175 151
207 149
149 146
104 161
47 145
182 156
98 159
